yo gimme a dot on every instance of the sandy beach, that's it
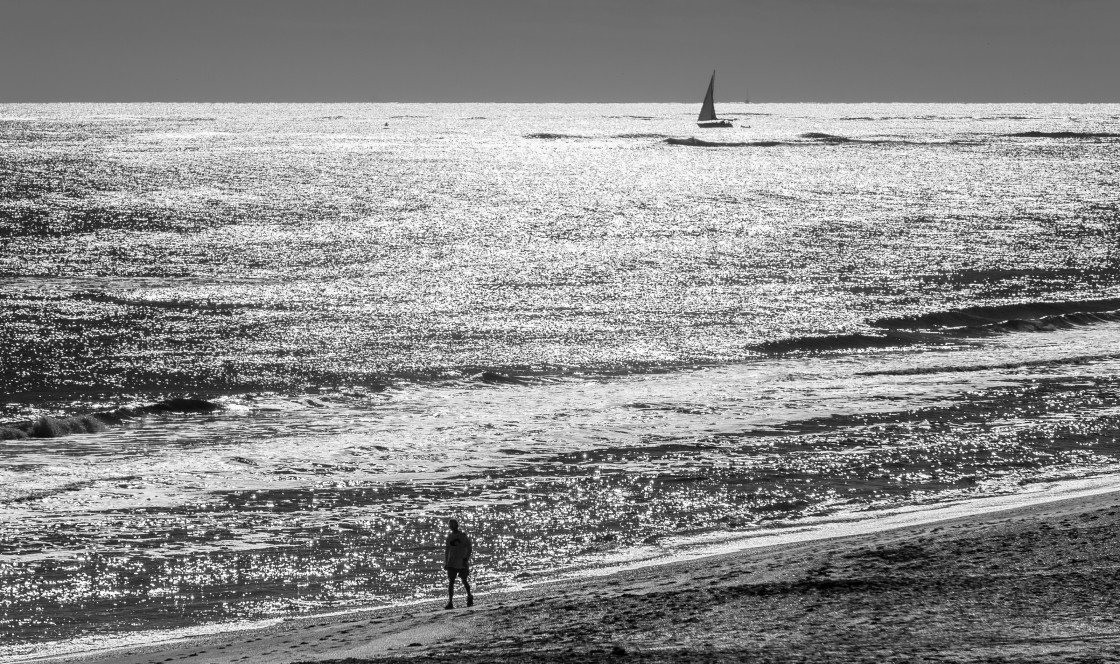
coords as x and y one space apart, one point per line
1004 582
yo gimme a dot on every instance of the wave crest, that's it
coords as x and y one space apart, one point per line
948 327
697 142
552 136
57 427
1072 312
1064 134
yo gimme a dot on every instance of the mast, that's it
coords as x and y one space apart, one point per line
708 110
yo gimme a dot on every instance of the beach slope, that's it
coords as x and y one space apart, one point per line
1035 583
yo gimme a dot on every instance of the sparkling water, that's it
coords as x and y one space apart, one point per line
306 335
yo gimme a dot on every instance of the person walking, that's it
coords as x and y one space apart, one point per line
456 561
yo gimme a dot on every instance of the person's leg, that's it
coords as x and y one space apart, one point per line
451 574
466 584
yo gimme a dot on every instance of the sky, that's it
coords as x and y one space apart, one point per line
559 50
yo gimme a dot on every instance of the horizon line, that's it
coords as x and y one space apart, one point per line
724 103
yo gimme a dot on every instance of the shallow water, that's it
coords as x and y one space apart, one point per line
580 339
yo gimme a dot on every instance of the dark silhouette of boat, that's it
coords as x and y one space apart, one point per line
708 117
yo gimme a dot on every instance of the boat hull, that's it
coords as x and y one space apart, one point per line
712 124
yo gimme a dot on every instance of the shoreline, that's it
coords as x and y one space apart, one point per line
553 619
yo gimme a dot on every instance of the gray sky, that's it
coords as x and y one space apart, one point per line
559 50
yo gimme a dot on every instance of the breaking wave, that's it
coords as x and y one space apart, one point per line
1044 315
1063 134
948 327
57 427
497 378
696 142
552 136
826 138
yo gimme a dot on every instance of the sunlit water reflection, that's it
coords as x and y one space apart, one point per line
579 339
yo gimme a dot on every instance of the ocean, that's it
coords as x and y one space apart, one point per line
252 357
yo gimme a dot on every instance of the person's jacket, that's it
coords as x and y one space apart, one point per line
458 552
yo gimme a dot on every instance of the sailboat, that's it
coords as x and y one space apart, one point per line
708 110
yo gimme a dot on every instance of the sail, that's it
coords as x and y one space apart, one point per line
708 110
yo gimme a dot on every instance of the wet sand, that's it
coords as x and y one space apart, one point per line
1029 583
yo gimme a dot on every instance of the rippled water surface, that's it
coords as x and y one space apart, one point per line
583 339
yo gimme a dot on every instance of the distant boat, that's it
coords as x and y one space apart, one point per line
708 110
